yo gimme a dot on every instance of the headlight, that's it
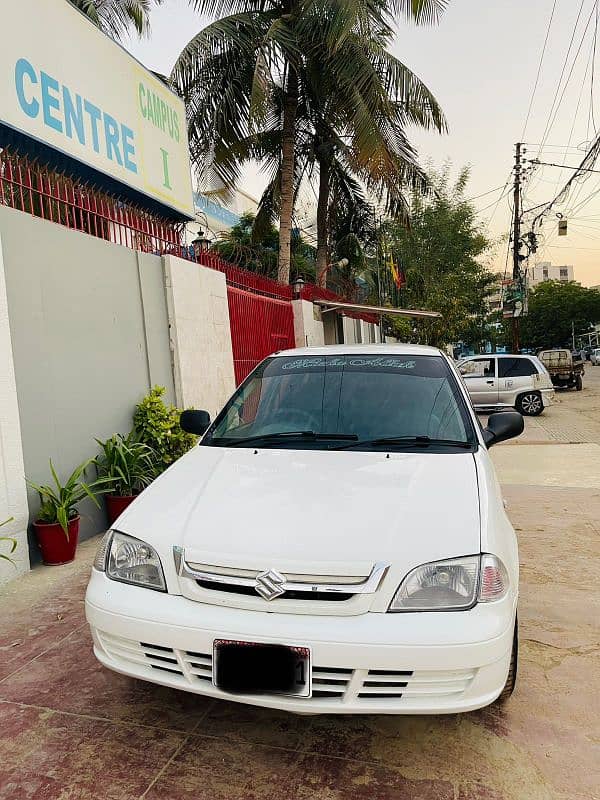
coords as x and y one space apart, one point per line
130 560
453 585
448 584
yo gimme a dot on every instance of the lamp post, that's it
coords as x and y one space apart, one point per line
298 287
200 244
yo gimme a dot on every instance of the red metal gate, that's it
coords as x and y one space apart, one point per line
260 326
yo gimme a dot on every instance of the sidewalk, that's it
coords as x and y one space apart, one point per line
71 730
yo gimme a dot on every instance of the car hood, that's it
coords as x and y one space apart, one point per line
311 511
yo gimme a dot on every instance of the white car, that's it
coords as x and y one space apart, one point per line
337 543
508 381
595 356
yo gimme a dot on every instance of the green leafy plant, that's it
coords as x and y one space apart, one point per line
128 463
12 543
58 503
157 425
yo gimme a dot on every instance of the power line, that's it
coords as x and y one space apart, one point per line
548 127
477 196
539 70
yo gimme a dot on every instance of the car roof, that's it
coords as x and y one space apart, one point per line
363 349
499 355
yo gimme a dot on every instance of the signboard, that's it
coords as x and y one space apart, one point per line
514 298
65 84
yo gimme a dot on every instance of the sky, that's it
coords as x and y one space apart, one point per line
481 62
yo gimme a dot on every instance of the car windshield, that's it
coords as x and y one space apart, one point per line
347 401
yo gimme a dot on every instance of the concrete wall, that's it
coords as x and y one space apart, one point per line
13 494
308 324
200 334
89 328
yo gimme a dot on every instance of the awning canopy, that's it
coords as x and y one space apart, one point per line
334 305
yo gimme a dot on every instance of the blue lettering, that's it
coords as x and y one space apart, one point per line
49 101
22 69
95 116
73 115
128 148
111 135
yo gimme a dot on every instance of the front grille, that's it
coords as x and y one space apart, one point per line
334 684
396 684
289 595
330 681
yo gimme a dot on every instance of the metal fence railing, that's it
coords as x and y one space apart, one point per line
27 185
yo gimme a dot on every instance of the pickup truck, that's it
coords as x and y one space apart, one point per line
565 368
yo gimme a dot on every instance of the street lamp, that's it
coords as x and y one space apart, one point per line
298 287
200 244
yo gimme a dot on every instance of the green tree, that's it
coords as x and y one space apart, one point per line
440 257
251 73
256 250
554 309
117 17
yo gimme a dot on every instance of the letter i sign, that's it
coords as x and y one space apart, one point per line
165 164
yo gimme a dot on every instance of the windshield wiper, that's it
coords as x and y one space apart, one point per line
285 436
411 441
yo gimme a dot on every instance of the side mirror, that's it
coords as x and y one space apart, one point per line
194 421
502 426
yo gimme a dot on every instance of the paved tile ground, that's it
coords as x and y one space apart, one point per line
71 730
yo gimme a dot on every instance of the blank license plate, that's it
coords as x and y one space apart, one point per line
253 668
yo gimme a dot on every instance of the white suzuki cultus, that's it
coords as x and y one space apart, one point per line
337 542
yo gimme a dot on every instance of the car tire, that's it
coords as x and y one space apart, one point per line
511 678
530 404
578 383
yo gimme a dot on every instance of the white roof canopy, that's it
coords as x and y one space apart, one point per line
333 305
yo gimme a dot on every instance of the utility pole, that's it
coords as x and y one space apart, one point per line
516 343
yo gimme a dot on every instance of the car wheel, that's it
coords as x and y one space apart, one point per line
530 404
578 383
511 679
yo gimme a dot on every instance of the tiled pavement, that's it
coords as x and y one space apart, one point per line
71 730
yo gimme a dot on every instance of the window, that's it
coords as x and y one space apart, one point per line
515 368
545 274
564 272
370 397
478 368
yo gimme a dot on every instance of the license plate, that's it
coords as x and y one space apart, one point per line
254 668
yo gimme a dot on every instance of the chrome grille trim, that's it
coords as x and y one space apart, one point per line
368 585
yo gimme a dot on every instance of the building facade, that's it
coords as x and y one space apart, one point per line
546 271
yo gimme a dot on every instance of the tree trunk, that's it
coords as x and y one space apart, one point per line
288 166
323 222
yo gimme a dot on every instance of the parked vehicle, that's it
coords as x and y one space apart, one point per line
565 368
595 356
336 543
507 381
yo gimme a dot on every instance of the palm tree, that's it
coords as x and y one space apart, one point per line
232 71
117 17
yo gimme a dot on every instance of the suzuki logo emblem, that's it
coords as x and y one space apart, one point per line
270 584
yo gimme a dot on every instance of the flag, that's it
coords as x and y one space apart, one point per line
397 274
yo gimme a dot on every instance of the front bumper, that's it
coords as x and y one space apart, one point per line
428 663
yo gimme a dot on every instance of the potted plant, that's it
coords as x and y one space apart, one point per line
57 522
129 466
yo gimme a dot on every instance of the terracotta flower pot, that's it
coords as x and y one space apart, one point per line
116 504
56 548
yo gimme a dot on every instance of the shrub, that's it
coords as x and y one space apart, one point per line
157 425
9 541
